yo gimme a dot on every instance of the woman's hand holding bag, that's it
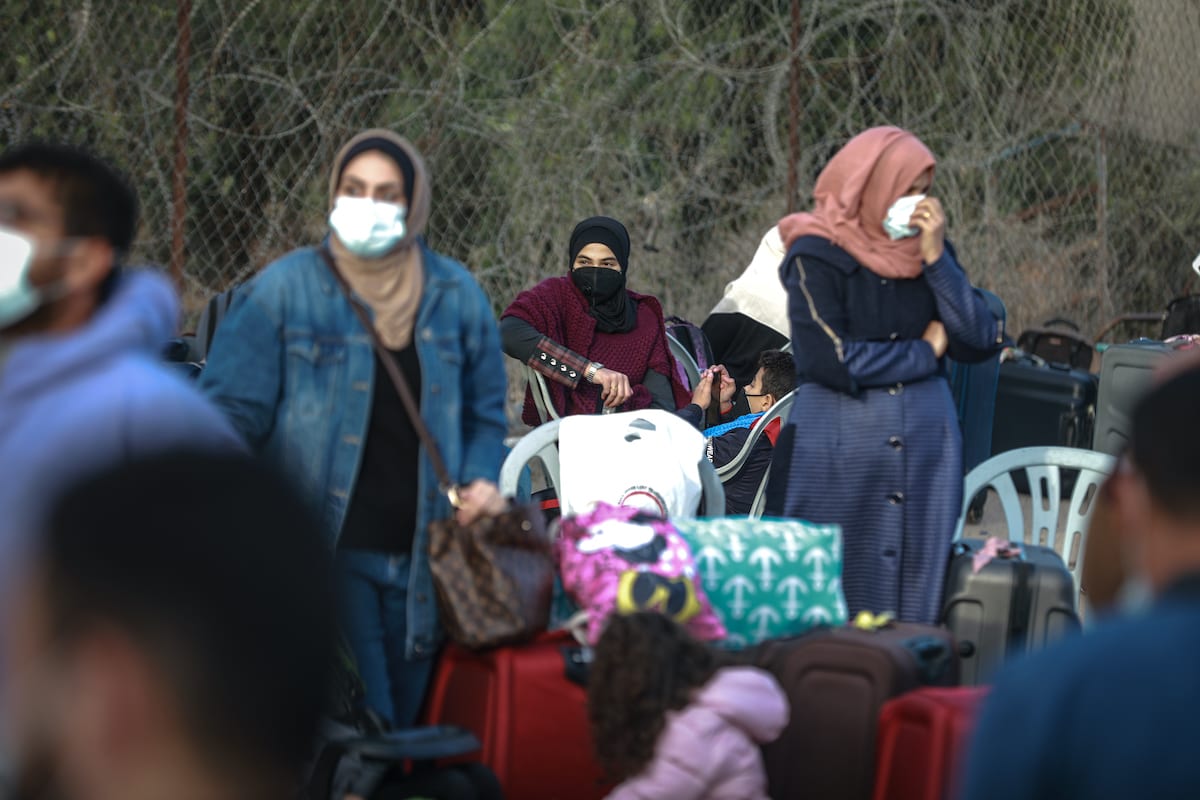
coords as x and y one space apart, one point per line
492 562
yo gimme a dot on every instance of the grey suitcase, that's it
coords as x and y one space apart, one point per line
1011 606
1125 375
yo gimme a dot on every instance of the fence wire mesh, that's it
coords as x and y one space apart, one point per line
1065 129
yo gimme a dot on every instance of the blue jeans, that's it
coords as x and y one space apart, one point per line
374 599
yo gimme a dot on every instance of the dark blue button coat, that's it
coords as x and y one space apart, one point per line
872 441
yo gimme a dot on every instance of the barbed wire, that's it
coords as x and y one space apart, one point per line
1065 154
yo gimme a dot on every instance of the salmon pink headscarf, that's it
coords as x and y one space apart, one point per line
853 194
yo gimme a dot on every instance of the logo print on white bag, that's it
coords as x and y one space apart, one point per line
644 498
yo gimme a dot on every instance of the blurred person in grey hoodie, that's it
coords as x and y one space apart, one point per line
80 382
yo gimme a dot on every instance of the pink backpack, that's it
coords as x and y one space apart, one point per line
618 559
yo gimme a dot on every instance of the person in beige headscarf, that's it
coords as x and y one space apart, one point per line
294 370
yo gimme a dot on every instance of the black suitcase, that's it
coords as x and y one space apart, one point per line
1041 404
836 680
1182 316
1011 606
1125 375
974 389
1060 344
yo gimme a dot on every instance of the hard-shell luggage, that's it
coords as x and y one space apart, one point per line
1125 376
1059 342
529 715
1011 605
974 389
1042 404
836 680
1182 316
923 739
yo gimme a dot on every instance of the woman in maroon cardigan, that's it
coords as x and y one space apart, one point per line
598 344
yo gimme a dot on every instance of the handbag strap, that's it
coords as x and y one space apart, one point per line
445 483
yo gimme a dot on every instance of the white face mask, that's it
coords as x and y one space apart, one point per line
18 297
895 224
367 228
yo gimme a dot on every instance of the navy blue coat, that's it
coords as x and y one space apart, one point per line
873 442
1110 715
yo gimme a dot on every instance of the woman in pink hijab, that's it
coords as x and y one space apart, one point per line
877 300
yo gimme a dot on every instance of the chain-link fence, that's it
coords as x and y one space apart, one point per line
1064 128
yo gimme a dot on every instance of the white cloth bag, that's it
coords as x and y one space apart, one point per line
647 459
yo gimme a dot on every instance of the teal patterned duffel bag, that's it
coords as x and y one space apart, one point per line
768 578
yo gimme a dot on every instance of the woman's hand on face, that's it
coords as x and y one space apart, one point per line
478 498
935 334
614 387
931 220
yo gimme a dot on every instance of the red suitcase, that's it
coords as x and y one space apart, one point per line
531 719
836 680
923 738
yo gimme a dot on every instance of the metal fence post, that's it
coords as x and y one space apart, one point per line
183 57
793 185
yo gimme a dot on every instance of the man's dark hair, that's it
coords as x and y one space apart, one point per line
95 198
779 372
1165 444
212 566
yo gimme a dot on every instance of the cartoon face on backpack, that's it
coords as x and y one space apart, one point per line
615 559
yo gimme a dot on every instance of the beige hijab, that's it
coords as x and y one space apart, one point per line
390 285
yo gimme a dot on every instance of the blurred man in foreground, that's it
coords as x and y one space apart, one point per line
172 638
1112 714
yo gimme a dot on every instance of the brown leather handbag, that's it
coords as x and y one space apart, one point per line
493 577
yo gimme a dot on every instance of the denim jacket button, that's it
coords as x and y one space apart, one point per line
434 389
427 334
422 597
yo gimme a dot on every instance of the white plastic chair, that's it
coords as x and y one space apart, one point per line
686 359
1043 467
733 467
542 443
541 394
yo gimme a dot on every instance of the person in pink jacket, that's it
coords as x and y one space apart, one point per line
668 720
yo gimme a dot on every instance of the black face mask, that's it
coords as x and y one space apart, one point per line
598 283
607 299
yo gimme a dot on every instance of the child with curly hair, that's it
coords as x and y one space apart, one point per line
670 720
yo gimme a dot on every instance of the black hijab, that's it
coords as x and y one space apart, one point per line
616 313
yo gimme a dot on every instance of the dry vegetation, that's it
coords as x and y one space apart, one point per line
1071 186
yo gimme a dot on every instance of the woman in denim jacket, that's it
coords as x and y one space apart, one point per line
293 369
